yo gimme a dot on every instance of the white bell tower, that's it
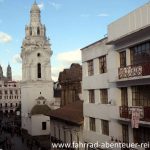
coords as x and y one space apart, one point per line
36 67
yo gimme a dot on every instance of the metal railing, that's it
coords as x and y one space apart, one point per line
134 71
126 112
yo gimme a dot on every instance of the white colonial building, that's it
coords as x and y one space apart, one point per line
116 82
37 84
10 96
100 108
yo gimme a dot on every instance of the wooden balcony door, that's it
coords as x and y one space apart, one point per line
124 96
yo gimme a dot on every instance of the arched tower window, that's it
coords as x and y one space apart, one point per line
39 70
38 31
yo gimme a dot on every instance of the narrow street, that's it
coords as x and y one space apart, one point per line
14 139
16 142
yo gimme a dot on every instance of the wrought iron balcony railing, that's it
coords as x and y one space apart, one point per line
126 112
134 71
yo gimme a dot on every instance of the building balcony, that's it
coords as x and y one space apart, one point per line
126 112
134 71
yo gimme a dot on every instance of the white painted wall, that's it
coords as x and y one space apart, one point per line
76 131
96 50
134 21
109 112
36 125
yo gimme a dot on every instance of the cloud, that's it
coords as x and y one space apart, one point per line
17 59
5 38
55 72
57 6
41 5
69 57
64 60
103 15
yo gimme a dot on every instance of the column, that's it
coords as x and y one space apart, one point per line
128 59
129 90
96 66
97 96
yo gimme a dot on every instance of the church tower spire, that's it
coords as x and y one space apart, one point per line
35 27
35 17
1 72
9 73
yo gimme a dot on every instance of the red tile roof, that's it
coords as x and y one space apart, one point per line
72 113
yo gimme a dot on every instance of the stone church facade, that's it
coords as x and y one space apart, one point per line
70 81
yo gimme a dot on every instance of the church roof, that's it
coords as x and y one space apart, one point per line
40 109
72 113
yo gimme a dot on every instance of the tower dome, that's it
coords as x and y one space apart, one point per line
35 19
35 8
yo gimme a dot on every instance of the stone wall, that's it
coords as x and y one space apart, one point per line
70 81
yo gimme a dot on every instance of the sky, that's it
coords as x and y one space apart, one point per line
70 25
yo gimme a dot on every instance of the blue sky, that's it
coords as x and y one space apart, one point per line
71 25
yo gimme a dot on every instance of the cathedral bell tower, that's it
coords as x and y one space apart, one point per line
36 68
1 73
9 73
